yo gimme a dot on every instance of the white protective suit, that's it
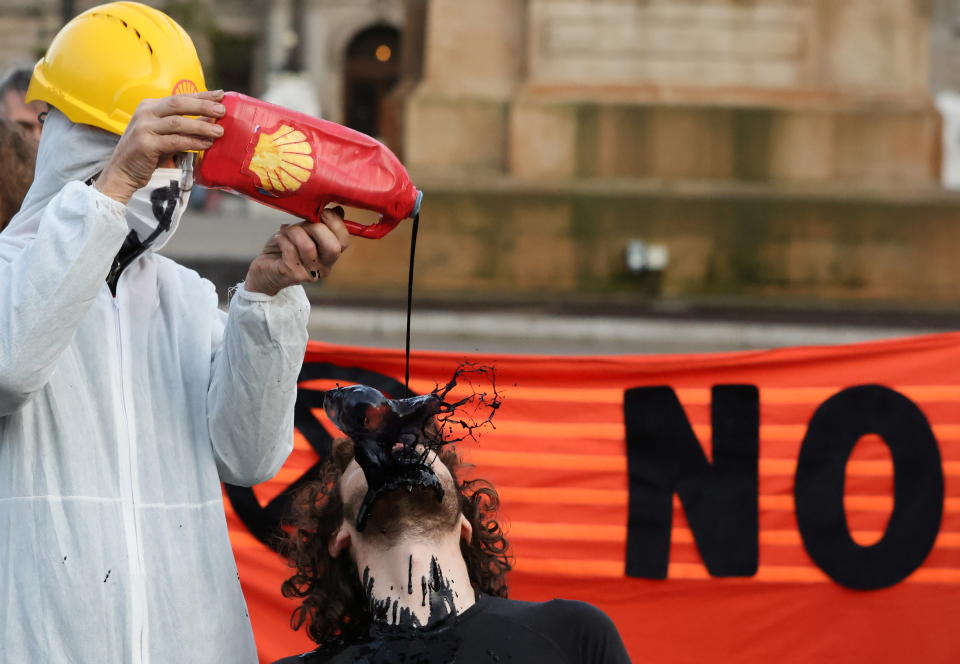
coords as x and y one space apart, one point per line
119 417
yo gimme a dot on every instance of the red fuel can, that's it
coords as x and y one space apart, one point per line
301 164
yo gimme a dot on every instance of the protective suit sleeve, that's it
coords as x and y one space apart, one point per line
48 284
253 385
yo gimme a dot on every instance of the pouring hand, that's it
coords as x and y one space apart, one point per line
299 253
158 129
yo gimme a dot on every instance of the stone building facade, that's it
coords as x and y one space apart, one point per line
776 148
762 90
311 36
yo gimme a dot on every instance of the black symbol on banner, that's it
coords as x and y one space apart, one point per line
263 521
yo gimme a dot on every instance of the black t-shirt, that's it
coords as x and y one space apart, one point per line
491 631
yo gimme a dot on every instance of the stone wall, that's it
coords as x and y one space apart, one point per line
26 27
851 48
670 43
491 236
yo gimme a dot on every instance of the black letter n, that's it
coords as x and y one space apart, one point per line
719 499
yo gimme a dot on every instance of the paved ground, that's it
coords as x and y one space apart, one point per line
508 332
237 230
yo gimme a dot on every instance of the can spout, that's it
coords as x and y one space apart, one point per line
416 206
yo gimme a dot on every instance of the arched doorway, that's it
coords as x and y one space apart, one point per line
371 69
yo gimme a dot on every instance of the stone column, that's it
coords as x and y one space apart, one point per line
456 119
412 49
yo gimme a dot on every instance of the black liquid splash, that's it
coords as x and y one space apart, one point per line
393 438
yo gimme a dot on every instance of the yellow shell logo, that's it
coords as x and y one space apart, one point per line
282 160
184 87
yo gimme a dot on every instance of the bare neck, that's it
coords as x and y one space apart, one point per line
416 584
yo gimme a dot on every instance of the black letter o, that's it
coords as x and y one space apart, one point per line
833 432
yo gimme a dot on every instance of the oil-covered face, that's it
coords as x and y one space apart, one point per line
408 513
392 440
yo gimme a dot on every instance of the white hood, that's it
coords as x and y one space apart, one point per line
68 152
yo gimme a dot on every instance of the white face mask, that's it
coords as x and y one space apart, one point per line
160 204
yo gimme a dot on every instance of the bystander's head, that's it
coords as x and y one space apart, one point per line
23 115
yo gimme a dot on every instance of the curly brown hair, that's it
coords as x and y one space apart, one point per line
17 158
335 607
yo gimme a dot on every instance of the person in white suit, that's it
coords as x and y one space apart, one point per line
126 394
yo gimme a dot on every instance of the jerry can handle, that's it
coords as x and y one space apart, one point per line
382 227
372 231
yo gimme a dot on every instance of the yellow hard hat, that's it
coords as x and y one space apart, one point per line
108 59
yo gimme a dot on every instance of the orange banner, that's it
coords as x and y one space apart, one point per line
795 505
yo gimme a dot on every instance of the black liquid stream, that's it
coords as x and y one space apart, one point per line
413 254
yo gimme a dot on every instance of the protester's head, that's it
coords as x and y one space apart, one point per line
324 544
25 116
17 157
107 60
405 514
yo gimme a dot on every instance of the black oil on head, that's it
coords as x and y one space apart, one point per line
393 438
385 433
